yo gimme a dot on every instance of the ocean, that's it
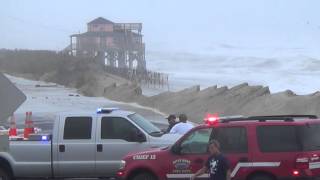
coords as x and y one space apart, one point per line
280 70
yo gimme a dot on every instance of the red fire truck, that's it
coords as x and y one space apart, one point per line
258 148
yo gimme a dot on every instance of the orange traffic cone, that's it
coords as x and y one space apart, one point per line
29 129
31 123
13 126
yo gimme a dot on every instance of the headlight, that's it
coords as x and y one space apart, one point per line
122 164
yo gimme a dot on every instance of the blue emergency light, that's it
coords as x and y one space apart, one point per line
44 138
39 137
106 110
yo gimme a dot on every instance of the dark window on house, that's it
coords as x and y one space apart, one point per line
118 128
77 128
278 138
231 139
116 40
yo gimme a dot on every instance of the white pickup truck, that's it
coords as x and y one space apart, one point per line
82 145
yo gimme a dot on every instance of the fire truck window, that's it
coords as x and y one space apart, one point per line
77 128
309 136
118 128
232 139
196 142
278 138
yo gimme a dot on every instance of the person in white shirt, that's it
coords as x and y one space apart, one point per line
182 127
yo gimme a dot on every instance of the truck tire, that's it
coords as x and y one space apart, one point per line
261 177
4 175
144 176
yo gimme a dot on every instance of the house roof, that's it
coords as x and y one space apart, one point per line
100 20
103 34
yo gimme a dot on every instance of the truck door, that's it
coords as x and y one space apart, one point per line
189 155
234 145
76 147
116 137
192 152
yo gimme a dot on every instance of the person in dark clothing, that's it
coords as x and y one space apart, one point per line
172 121
217 164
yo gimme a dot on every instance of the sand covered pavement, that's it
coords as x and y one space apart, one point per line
47 100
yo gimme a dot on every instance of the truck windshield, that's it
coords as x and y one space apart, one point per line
310 137
145 125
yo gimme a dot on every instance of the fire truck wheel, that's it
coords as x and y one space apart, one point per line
4 175
261 177
144 176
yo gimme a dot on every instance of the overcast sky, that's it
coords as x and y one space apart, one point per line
177 25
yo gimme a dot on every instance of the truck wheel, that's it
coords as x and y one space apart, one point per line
144 176
261 177
4 175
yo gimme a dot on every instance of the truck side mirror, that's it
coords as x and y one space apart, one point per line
140 137
176 149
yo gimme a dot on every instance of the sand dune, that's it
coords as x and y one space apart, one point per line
238 100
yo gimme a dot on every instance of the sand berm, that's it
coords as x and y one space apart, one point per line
91 80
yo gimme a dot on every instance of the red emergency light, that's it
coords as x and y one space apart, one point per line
120 173
211 118
295 173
